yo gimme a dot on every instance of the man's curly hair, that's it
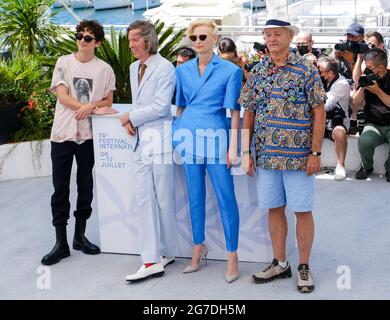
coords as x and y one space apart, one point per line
93 27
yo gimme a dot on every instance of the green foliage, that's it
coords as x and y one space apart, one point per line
117 54
37 117
25 25
168 41
18 77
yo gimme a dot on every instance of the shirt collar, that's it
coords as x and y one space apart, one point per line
150 60
292 58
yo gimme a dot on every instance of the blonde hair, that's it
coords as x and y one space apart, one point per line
203 22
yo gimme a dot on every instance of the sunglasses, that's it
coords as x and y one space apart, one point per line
202 37
87 38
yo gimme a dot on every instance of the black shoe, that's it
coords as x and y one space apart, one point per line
272 272
363 173
80 242
60 250
387 175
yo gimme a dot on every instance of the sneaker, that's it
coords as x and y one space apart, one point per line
340 173
387 175
272 272
305 280
155 270
167 260
363 173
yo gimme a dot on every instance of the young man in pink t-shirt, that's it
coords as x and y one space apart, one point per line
84 84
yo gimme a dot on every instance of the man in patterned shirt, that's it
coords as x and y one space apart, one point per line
284 108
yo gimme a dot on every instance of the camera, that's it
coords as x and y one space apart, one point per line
249 66
361 120
259 47
354 47
367 80
335 117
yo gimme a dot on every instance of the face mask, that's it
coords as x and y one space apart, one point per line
303 50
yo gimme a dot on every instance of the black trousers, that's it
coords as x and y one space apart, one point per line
62 160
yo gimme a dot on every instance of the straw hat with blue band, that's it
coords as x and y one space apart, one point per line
274 23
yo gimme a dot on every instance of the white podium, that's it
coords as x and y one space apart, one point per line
114 180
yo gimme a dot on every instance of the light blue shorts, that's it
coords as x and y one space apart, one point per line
278 188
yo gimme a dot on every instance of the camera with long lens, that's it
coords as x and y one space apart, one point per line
367 80
354 47
335 117
259 47
361 120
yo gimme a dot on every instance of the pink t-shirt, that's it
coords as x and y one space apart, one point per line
88 81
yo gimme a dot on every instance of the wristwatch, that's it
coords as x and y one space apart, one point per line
315 153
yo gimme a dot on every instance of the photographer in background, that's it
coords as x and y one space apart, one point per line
337 98
261 50
374 40
304 43
227 50
184 54
374 90
347 51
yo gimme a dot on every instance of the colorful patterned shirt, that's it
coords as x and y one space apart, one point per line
283 99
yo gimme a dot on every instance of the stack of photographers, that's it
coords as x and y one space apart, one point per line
374 91
337 91
374 40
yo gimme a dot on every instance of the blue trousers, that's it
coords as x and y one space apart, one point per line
222 182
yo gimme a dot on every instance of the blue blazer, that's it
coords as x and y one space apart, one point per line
206 98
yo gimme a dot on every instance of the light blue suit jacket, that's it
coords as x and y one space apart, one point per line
151 108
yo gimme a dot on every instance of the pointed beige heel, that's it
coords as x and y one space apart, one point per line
232 258
231 277
203 256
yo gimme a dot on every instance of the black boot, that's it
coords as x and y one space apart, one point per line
80 242
60 250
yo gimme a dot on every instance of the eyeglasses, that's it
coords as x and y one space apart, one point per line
202 37
87 38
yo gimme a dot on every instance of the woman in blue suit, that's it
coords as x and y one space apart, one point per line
206 87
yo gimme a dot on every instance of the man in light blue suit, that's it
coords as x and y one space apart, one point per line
206 87
152 80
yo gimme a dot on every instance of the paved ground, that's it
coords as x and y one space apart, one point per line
352 230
